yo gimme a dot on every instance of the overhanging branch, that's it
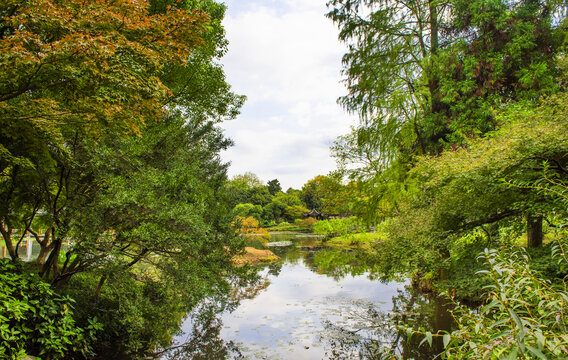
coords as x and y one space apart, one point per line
489 220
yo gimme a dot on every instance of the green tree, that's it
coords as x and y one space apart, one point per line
290 199
41 164
246 210
310 195
459 200
389 80
327 194
239 193
425 74
71 72
259 195
274 187
248 188
155 233
295 212
274 211
248 178
284 206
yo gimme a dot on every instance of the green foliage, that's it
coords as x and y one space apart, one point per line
425 77
383 67
307 222
283 206
138 311
297 226
248 188
249 179
246 210
289 199
357 239
274 187
34 320
338 227
310 195
259 195
465 200
524 316
295 212
327 194
275 210
110 140
155 239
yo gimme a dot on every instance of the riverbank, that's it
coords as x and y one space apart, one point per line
357 240
252 256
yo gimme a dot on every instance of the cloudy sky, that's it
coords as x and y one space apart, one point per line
285 57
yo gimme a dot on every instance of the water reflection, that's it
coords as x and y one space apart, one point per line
203 342
28 249
313 304
377 334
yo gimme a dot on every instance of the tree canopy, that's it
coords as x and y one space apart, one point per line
109 141
427 76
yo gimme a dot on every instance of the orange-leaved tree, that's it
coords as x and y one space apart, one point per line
250 228
88 65
75 71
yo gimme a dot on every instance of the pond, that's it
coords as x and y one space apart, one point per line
315 303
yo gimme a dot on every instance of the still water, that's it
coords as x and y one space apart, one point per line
314 303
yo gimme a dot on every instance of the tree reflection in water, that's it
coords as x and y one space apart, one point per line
376 334
352 329
204 341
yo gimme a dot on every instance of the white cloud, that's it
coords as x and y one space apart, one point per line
285 56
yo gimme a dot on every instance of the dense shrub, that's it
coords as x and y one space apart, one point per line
338 227
34 320
139 313
246 210
307 222
525 315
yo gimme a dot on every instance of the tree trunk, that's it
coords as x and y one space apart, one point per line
100 286
45 247
434 26
7 235
534 231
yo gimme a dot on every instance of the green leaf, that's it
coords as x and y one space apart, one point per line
409 333
540 337
518 322
446 339
537 352
429 338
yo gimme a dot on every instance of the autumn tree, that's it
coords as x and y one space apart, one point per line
73 72
65 86
109 138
